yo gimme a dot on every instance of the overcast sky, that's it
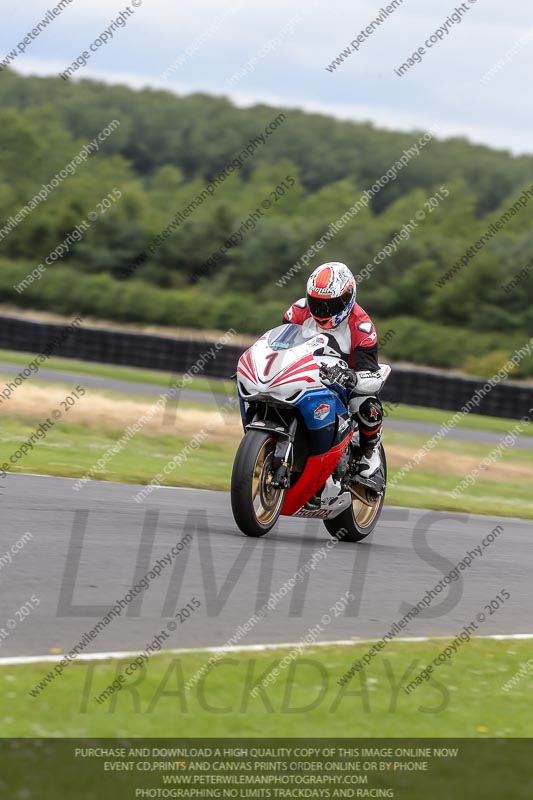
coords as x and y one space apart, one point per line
214 40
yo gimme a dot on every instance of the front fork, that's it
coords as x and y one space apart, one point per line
282 476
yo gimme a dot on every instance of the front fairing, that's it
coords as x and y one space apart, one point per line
282 371
284 363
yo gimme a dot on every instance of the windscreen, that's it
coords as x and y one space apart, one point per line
286 336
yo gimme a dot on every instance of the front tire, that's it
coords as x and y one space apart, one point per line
255 503
360 519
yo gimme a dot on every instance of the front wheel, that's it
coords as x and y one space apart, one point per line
360 519
255 503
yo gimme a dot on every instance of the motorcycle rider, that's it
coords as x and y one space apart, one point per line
330 305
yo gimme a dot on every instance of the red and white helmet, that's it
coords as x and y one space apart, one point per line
331 291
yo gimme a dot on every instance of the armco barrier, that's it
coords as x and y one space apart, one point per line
412 385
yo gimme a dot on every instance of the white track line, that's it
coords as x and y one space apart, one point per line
4 662
115 483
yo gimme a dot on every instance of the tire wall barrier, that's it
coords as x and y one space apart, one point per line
414 386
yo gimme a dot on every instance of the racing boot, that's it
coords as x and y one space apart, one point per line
370 461
368 412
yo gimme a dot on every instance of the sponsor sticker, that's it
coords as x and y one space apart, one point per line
322 513
322 411
318 341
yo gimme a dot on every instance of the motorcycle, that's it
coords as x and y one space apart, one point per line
300 451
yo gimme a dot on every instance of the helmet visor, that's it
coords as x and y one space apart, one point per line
327 307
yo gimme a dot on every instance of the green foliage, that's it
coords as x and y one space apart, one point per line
488 364
66 291
450 347
219 267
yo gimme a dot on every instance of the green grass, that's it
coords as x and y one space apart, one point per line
476 421
70 450
429 490
424 488
464 699
459 447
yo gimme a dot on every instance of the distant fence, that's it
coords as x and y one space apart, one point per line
412 385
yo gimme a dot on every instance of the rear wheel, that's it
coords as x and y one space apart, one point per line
255 503
360 519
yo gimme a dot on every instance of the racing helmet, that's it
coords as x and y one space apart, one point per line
331 291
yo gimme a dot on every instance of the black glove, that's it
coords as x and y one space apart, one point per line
338 374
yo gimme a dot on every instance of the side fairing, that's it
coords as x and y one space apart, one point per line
319 410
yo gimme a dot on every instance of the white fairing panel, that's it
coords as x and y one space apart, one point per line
282 370
284 365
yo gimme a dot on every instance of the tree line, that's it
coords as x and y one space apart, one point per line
193 212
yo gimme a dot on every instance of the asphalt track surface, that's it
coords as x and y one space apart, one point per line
90 547
214 398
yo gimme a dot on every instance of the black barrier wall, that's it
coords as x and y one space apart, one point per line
415 386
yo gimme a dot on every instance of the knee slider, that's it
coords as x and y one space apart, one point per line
370 413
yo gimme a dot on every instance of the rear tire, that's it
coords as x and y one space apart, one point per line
360 519
256 505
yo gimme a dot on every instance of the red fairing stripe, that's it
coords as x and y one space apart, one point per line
250 363
307 364
294 377
246 375
316 472
297 379
299 364
246 367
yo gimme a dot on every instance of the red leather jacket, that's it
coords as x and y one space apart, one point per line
356 336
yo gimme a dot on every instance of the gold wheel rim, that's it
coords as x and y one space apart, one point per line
266 499
364 510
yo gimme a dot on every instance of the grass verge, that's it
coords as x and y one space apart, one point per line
463 698
70 450
74 446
